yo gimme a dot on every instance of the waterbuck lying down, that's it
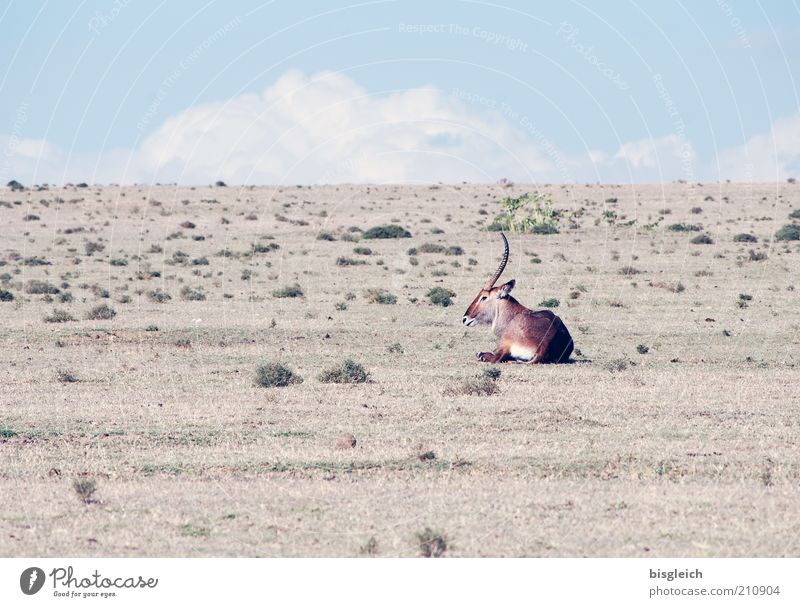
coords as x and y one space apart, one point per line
525 336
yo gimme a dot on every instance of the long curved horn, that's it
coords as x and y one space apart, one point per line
502 267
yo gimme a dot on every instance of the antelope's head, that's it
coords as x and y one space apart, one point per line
481 310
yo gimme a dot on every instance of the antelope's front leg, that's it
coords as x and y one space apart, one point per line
497 356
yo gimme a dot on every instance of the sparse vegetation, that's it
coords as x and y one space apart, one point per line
101 312
85 489
440 296
532 213
432 544
291 291
380 296
350 372
790 231
387 231
58 316
276 375
702 239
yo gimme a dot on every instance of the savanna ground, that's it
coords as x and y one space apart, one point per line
674 433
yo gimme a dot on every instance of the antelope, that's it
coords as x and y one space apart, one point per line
525 336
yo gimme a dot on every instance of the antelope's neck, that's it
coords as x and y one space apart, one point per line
504 311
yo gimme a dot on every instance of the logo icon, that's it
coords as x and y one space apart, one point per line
31 580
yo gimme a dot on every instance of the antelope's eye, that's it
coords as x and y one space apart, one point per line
484 297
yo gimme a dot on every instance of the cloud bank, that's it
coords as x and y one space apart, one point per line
325 128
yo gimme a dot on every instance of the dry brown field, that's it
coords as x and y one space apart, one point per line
674 432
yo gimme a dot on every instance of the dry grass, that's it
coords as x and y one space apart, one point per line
684 446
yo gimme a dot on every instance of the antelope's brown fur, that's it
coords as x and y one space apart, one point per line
525 335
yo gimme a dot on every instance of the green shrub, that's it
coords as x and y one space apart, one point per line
290 291
59 316
795 214
454 251
190 294
702 239
380 296
790 231
101 312
349 261
6 295
159 296
326 236
745 238
349 373
550 303
440 296
362 251
40 287
118 262
387 231
532 213
684 227
431 544
264 248
276 375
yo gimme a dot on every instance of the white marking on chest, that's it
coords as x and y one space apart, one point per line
522 352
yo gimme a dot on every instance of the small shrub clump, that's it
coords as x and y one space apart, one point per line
349 261
387 231
380 296
350 372
550 303
59 316
6 295
745 238
432 544
190 294
101 312
702 239
440 296
276 375
790 231
290 291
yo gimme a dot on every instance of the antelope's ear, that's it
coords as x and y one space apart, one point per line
505 290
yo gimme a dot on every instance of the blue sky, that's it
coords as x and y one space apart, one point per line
260 92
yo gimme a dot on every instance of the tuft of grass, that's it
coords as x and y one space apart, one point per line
549 303
6 295
40 287
362 251
194 530
350 372
190 294
432 544
440 296
642 349
291 291
276 375
629 271
395 348
702 239
349 261
7 433
684 227
101 312
159 296
66 377
380 296
745 238
85 489
370 547
59 316
387 231
616 365
790 231
326 236
483 384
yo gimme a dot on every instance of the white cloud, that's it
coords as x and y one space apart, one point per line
766 156
327 129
